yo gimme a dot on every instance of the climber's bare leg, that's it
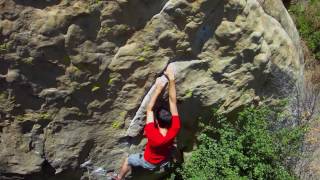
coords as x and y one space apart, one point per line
124 169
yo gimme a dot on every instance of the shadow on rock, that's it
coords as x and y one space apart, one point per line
37 4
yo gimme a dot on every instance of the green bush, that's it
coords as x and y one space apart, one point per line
242 149
307 19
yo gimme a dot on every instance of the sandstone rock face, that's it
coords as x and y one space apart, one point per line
73 73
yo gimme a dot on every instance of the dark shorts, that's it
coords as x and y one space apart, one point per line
138 160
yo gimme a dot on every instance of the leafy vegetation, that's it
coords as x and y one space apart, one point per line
110 81
105 30
146 52
95 88
3 48
244 148
307 19
34 116
189 93
28 61
95 2
6 103
117 124
67 59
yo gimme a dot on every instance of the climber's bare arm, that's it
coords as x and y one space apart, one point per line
159 86
173 98
172 90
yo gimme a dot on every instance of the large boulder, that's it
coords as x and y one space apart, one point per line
83 68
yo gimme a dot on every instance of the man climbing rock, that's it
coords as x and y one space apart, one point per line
161 129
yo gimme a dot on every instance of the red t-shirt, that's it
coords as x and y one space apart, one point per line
158 146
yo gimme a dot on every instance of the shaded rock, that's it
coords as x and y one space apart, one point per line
167 39
74 37
53 94
17 156
62 136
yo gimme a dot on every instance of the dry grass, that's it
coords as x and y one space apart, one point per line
310 96
313 14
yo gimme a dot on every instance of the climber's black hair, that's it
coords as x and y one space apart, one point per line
163 117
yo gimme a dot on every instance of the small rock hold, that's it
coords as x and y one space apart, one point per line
179 13
12 75
53 94
257 101
168 38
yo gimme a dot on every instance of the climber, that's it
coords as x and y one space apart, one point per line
160 131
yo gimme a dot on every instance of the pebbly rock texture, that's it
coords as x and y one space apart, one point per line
73 73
